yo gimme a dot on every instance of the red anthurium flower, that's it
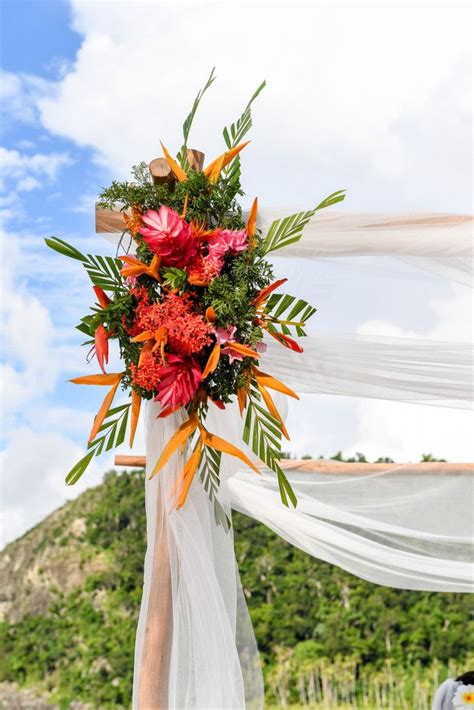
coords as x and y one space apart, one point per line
179 381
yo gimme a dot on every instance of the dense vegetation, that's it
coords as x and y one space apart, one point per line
321 631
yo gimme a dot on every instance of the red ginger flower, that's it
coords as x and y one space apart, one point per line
179 381
227 240
169 236
204 268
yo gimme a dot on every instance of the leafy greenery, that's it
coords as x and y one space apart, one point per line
286 312
183 155
311 619
289 230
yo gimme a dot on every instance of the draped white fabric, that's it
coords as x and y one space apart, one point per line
396 526
441 243
193 613
402 369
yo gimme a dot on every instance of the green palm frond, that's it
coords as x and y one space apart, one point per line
289 230
286 312
110 435
209 473
183 153
262 433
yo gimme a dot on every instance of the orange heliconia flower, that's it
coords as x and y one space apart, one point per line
157 339
133 220
212 170
112 379
134 267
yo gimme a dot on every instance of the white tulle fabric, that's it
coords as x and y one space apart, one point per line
193 607
195 646
397 527
441 243
402 369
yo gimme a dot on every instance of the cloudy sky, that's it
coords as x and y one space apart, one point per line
372 97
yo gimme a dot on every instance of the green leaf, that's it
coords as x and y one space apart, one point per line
104 271
209 473
76 471
285 312
110 435
235 135
289 230
175 279
262 433
183 153
332 199
65 249
286 491
238 130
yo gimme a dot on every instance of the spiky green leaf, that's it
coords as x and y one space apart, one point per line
289 230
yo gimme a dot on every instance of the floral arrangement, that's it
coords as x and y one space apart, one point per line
189 302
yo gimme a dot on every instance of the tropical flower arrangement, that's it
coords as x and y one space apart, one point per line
189 303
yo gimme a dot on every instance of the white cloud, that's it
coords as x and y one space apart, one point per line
24 169
19 94
41 434
352 98
33 467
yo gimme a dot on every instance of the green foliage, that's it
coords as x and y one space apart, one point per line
209 203
208 471
309 617
104 271
175 279
262 432
284 310
289 230
234 135
183 155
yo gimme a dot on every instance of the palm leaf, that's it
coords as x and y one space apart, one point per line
183 153
235 135
238 130
289 230
65 249
286 312
104 271
209 473
110 435
262 432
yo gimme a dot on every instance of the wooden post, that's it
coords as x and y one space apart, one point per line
161 172
195 159
156 652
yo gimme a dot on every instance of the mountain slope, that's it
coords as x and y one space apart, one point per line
71 589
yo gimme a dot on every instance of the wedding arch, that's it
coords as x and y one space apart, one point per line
391 524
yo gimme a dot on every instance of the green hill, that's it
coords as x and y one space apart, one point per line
70 594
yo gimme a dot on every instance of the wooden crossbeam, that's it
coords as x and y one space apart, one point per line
337 467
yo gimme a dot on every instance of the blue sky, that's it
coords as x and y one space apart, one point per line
92 87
